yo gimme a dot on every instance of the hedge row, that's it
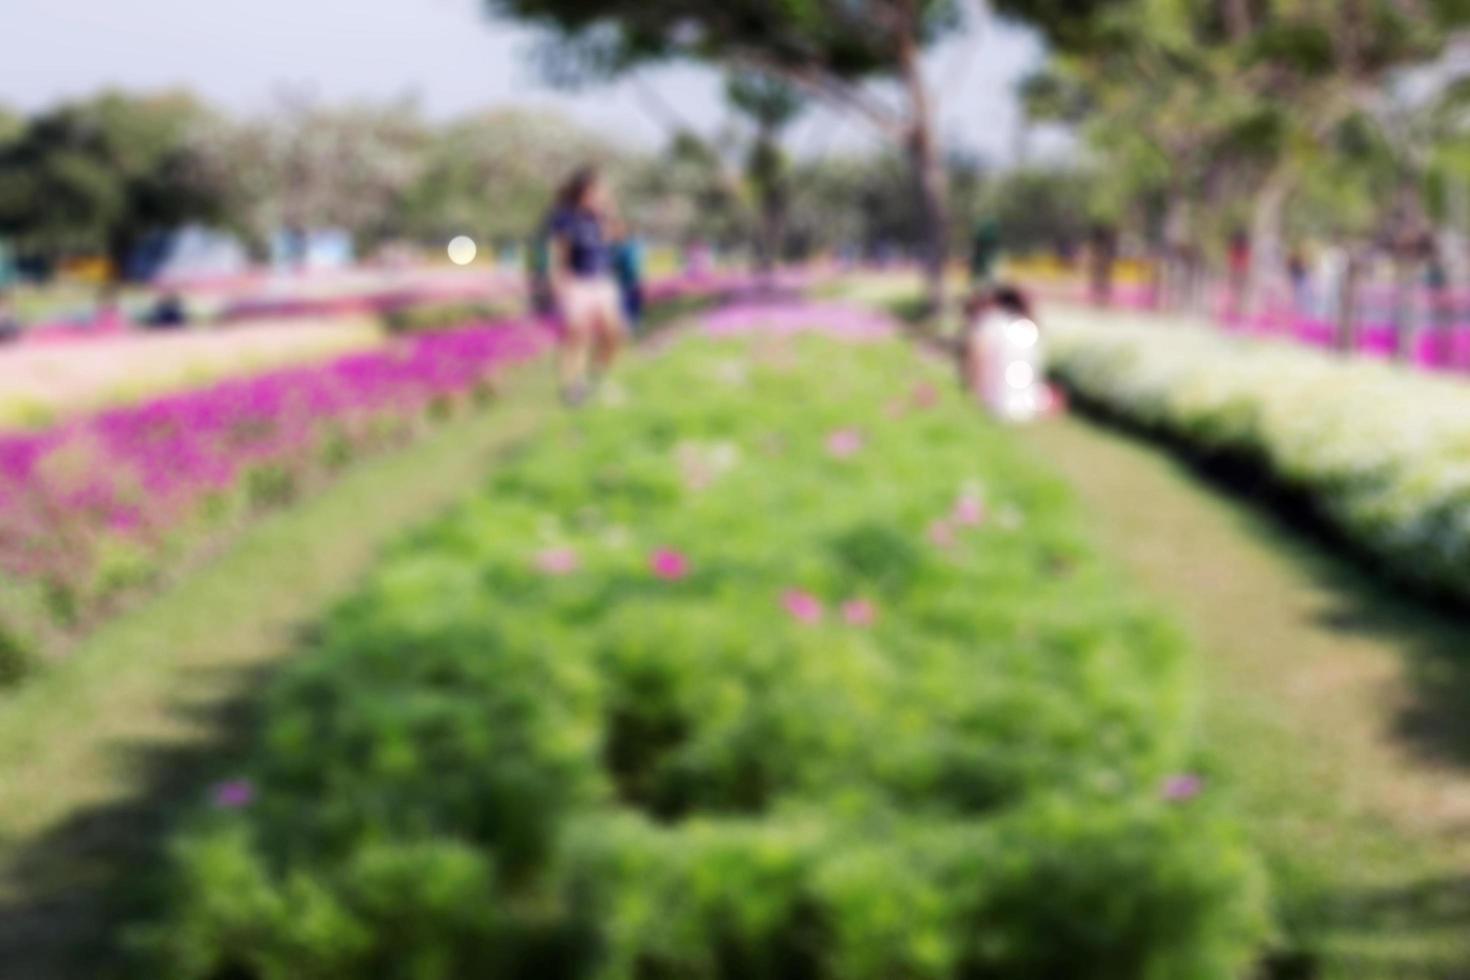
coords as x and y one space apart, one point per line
1381 453
778 663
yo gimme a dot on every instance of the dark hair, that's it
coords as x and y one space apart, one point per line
1012 300
576 186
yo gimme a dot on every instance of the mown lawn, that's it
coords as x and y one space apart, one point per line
1334 709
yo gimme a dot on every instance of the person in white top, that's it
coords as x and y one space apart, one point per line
1004 357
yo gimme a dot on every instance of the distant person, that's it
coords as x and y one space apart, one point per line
538 273
627 262
1102 255
9 325
108 316
1440 312
168 313
1004 359
582 278
984 252
1331 274
1239 261
1301 283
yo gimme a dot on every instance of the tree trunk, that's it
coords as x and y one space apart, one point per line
1238 19
1265 239
1347 304
1410 237
1178 287
1404 328
1452 236
773 223
766 171
928 171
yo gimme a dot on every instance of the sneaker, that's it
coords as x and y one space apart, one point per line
574 395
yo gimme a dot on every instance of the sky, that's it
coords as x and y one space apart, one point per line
241 54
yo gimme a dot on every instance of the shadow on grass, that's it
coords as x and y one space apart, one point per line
1436 905
1432 630
69 893
1357 895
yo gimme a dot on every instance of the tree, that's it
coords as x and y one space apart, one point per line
313 166
493 175
97 177
689 192
1207 99
1040 209
12 125
772 105
829 49
1311 68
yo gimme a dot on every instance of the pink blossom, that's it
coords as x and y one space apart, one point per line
669 565
941 534
925 395
1182 788
859 612
558 561
969 511
845 443
234 794
803 606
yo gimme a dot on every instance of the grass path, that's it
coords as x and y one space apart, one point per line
94 752
1336 711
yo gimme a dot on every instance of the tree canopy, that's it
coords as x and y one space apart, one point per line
96 176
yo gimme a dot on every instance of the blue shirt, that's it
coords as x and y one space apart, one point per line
586 247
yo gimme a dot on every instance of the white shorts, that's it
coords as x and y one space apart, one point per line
590 304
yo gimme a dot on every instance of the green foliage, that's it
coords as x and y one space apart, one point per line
513 158
772 105
848 41
1377 451
1040 209
310 166
482 768
95 176
687 192
1069 24
16 659
419 318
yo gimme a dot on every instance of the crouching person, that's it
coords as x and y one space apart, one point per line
1004 357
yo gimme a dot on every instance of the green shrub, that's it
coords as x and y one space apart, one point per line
424 318
1379 452
16 658
487 765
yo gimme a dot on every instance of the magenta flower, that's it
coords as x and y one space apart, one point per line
558 561
969 511
1182 788
669 565
859 612
941 534
845 443
803 606
234 794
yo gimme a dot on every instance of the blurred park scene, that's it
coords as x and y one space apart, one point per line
653 489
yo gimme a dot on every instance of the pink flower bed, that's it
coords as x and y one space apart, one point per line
129 479
131 475
785 317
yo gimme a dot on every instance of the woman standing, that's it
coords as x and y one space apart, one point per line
584 284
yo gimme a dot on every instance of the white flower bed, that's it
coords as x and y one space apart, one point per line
1384 453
